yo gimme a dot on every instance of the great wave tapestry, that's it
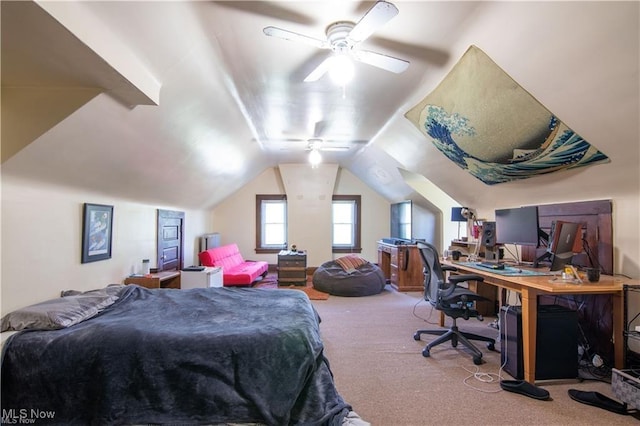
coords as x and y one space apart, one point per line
482 120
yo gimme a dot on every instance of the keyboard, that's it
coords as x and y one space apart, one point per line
491 265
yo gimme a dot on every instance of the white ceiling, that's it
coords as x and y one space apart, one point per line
194 97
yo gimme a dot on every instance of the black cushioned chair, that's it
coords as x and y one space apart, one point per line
456 302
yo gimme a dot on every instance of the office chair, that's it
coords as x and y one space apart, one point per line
455 302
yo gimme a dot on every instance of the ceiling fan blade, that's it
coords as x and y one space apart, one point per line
287 140
319 71
319 128
376 17
431 55
335 148
380 60
268 9
346 141
291 36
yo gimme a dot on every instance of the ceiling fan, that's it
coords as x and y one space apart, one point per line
318 144
342 37
318 141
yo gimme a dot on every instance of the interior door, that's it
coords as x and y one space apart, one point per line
170 240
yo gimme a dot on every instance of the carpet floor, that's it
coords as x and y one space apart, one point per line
379 369
271 282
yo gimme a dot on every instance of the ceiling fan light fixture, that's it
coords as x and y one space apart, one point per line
341 70
315 158
342 37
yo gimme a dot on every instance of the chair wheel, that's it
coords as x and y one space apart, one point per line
426 353
477 360
416 336
491 346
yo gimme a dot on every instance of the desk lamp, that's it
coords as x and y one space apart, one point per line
456 216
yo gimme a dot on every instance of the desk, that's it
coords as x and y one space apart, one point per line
530 287
164 279
401 266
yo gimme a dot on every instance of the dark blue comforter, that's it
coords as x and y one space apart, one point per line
197 356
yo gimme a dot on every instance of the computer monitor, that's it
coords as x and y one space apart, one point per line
565 240
518 226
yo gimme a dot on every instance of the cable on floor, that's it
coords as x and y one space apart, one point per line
489 377
427 320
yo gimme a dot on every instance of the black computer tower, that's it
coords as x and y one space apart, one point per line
557 342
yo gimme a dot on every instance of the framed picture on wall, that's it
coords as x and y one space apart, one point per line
97 225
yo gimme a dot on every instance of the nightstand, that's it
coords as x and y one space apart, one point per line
165 279
292 268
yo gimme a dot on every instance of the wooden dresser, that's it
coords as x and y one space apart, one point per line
401 265
292 268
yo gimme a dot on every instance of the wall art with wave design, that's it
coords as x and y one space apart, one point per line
486 123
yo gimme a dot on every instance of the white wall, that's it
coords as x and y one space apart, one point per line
375 212
42 234
235 217
309 202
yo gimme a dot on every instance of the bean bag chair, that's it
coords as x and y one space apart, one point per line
349 276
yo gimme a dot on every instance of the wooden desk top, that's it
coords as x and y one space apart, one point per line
549 283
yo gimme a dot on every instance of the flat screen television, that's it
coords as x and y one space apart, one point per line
518 226
401 220
411 221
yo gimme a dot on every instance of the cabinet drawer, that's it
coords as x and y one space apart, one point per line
292 273
292 264
394 275
384 248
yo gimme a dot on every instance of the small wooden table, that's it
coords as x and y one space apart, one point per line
164 279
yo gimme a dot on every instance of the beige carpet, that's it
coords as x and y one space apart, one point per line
379 369
271 282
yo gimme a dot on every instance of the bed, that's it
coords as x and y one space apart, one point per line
199 356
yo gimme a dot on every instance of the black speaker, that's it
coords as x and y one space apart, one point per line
489 234
557 342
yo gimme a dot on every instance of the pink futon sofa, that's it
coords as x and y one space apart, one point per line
235 270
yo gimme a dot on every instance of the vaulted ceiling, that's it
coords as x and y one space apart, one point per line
182 103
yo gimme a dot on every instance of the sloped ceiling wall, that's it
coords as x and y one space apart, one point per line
579 59
309 201
581 62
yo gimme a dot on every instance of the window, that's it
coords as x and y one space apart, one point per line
271 223
346 224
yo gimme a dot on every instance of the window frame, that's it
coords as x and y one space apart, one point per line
260 248
357 245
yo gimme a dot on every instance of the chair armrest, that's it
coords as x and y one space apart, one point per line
455 279
448 268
